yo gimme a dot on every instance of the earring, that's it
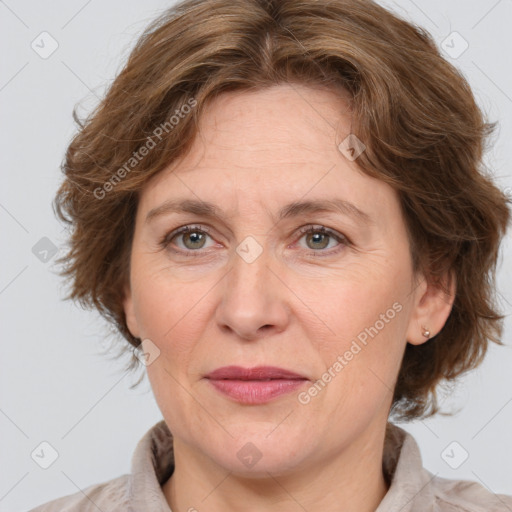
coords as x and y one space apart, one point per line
426 332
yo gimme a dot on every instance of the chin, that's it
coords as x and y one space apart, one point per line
263 463
254 453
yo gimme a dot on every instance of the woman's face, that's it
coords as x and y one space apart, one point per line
246 287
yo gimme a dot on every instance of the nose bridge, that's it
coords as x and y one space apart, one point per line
250 265
250 297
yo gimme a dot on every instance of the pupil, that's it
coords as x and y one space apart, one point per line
315 237
195 237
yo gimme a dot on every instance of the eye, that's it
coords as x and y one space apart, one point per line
192 237
318 238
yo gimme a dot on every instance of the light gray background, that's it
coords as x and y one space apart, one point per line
55 384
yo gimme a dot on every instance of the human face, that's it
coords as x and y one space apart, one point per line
248 289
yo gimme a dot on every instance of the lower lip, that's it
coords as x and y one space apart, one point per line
256 391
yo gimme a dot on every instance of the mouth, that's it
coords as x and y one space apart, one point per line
254 385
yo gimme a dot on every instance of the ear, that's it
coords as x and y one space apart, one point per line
129 312
432 306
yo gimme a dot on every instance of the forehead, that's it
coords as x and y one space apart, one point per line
270 147
277 123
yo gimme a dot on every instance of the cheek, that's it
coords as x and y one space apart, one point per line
359 299
366 315
167 311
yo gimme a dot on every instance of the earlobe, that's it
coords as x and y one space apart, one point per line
129 313
433 305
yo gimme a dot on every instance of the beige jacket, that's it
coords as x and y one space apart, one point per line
413 489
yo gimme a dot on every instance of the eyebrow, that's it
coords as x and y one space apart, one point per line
294 209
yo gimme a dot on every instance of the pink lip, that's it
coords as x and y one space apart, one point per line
254 385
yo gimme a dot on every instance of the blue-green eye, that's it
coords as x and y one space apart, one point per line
318 238
193 239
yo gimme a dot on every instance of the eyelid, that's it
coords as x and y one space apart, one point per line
323 229
343 240
166 239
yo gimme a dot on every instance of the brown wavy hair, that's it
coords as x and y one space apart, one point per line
414 111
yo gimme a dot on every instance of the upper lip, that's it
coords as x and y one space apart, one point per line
256 373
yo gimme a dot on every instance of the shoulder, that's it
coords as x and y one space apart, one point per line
111 495
467 496
152 464
415 488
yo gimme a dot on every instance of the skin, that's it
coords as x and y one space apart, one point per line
298 306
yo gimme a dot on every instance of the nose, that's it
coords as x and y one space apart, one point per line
254 298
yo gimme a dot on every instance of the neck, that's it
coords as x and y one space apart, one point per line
352 481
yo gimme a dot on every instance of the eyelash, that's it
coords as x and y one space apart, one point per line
343 240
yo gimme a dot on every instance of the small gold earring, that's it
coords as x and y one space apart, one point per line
426 332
